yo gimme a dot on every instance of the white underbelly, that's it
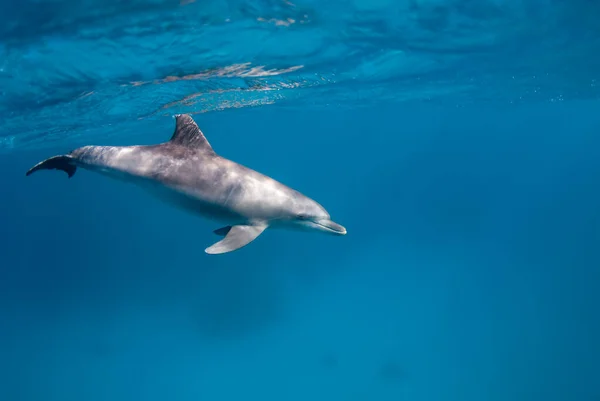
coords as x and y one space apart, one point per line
193 204
181 200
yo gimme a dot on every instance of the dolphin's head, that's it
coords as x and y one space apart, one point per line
309 215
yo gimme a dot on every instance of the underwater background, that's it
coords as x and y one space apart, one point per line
458 141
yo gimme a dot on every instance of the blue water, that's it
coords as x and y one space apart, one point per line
458 142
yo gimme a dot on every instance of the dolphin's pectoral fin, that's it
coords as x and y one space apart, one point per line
223 231
237 237
63 163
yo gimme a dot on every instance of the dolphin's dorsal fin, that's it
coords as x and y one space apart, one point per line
188 134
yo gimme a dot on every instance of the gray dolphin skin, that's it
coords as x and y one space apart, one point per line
186 172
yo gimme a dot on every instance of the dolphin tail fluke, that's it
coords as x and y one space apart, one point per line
236 238
63 163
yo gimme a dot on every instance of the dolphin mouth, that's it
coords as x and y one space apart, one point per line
330 226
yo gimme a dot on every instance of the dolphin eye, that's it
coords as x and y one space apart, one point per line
302 217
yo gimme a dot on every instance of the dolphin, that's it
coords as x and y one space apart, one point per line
187 173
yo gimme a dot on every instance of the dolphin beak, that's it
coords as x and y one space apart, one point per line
330 226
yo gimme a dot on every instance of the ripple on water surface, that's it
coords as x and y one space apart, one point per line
68 67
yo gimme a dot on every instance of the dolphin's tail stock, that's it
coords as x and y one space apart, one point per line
63 163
